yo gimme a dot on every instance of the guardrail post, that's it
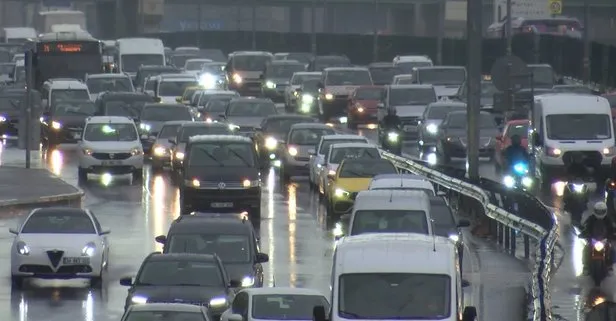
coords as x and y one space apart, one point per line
499 233
507 237
513 241
526 246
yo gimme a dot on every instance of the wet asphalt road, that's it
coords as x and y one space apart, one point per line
292 230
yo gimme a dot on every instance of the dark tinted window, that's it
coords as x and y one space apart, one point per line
444 222
578 126
169 131
349 77
184 273
147 72
300 56
442 76
131 63
251 109
222 154
180 60
369 93
68 94
126 106
440 112
519 129
59 223
205 98
327 143
218 105
282 125
341 153
389 221
74 108
175 87
230 248
407 66
411 96
283 71
382 75
97 85
309 136
164 113
299 79
459 120
250 63
110 133
361 169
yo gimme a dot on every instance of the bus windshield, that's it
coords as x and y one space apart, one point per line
69 59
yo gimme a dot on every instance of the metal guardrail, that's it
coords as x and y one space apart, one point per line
536 222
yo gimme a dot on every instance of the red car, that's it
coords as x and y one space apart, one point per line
513 127
362 107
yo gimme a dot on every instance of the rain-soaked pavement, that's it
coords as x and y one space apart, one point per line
292 233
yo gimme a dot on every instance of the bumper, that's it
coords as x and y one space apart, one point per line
39 266
296 167
119 166
221 200
247 88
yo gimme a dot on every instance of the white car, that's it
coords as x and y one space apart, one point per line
169 311
110 144
339 152
59 243
275 303
402 182
317 156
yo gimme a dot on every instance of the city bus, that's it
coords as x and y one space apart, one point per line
68 55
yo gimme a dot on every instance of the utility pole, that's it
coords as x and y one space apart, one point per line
28 100
586 39
474 22
509 53
199 20
313 28
440 32
375 31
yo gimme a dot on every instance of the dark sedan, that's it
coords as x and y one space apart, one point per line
452 138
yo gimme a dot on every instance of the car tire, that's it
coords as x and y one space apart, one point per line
138 175
82 175
17 282
97 282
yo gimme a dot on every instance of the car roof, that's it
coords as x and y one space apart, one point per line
345 68
399 176
177 122
450 103
439 67
179 307
60 210
251 99
197 223
182 256
157 67
203 124
348 136
109 120
403 76
218 138
218 92
289 116
345 145
365 160
310 125
286 62
381 65
148 105
125 94
282 291
410 86
307 73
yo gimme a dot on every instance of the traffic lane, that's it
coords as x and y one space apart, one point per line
299 249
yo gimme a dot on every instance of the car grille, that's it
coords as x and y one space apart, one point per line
55 257
483 141
118 156
221 185
414 121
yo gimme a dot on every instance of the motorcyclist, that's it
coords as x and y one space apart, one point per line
598 220
391 120
515 152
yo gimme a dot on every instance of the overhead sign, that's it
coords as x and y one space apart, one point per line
556 7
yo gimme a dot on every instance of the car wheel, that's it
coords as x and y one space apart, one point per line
17 282
82 175
97 282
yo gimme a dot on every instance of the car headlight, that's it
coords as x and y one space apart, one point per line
432 128
578 188
139 299
89 249
307 99
248 281
195 182
22 248
160 151
509 181
393 137
527 181
233 127
56 125
292 151
270 84
248 183
329 96
179 155
136 151
520 168
2 119
606 151
599 246
237 79
145 127
218 302
87 151
338 192
271 143
454 237
208 81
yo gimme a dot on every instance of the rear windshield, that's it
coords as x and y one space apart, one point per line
222 154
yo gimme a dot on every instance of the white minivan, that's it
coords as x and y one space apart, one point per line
563 125
395 277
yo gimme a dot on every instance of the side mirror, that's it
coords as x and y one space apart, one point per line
464 223
105 232
469 314
178 99
312 152
499 137
235 317
262 258
162 239
157 99
172 141
235 283
126 281
13 231
318 313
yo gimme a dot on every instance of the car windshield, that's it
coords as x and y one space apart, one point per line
543 76
218 105
286 306
311 85
578 126
175 87
284 70
222 154
407 66
322 62
518 129
189 92
458 120
143 74
231 248
411 96
183 273
389 221
169 131
282 126
128 107
205 98
164 316
309 136
97 85
214 68
444 223
163 113
299 79
132 62
329 142
442 76
74 108
59 223
366 170
303 57
251 109
110 133
369 93
382 75
348 78
488 89
180 60
190 131
195 64
397 296
440 112
341 153
250 62
68 94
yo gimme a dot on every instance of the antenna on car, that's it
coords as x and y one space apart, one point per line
433 236
391 196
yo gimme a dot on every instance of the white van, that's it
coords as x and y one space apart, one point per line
563 124
391 211
407 63
19 34
395 277
135 52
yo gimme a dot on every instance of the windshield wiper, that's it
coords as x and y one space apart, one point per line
346 314
245 161
221 164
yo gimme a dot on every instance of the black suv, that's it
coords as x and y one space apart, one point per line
63 122
234 240
127 104
221 173
182 278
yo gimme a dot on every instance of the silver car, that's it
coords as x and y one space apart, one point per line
301 139
298 78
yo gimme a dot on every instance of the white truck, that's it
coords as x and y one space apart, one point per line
47 21
131 53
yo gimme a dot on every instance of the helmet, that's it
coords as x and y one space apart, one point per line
600 210
516 140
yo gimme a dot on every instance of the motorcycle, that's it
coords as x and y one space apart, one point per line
575 199
393 142
600 259
518 177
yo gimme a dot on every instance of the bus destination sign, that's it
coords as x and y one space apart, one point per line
68 47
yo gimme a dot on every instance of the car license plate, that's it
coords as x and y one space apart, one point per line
76 260
222 205
112 162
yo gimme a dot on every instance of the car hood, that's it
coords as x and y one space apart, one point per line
71 121
352 185
446 90
434 121
155 126
245 121
237 271
56 241
369 104
340 90
164 142
115 147
168 99
251 75
178 294
410 110
221 174
483 133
